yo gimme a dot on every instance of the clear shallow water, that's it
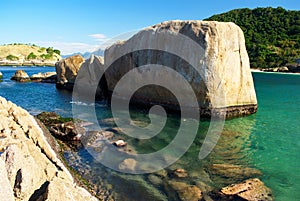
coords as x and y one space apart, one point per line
267 140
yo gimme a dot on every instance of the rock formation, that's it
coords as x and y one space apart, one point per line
44 77
20 76
216 49
185 191
251 190
29 168
67 70
89 77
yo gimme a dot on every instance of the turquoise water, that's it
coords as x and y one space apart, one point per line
276 134
267 140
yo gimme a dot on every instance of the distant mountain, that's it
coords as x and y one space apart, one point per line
86 55
272 34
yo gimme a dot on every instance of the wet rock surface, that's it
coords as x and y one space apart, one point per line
186 192
251 190
65 129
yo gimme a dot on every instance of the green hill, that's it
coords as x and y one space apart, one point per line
272 34
27 54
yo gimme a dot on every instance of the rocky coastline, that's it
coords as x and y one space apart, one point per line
22 76
295 68
30 168
241 183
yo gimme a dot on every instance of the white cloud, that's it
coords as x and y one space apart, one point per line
68 47
98 37
74 47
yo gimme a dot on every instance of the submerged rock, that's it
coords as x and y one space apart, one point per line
222 61
180 173
251 190
20 76
185 191
67 70
134 187
155 180
128 164
233 173
33 169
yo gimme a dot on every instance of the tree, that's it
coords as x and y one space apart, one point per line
57 52
270 34
31 56
12 58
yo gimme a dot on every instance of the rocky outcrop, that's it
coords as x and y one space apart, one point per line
44 77
1 75
251 190
89 76
294 68
67 70
222 80
29 168
289 68
67 131
20 76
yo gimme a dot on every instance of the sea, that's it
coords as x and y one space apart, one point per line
267 141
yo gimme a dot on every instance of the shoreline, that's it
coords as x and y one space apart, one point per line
283 73
33 65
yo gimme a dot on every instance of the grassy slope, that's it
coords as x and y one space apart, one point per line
22 51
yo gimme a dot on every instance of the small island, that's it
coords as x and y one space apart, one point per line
28 55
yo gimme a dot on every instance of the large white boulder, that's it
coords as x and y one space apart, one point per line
210 55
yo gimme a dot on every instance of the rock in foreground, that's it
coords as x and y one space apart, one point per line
30 168
223 82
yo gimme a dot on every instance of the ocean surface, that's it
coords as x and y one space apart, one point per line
268 141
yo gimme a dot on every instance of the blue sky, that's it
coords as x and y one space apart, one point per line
74 25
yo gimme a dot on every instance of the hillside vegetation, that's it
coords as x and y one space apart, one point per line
272 34
28 52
